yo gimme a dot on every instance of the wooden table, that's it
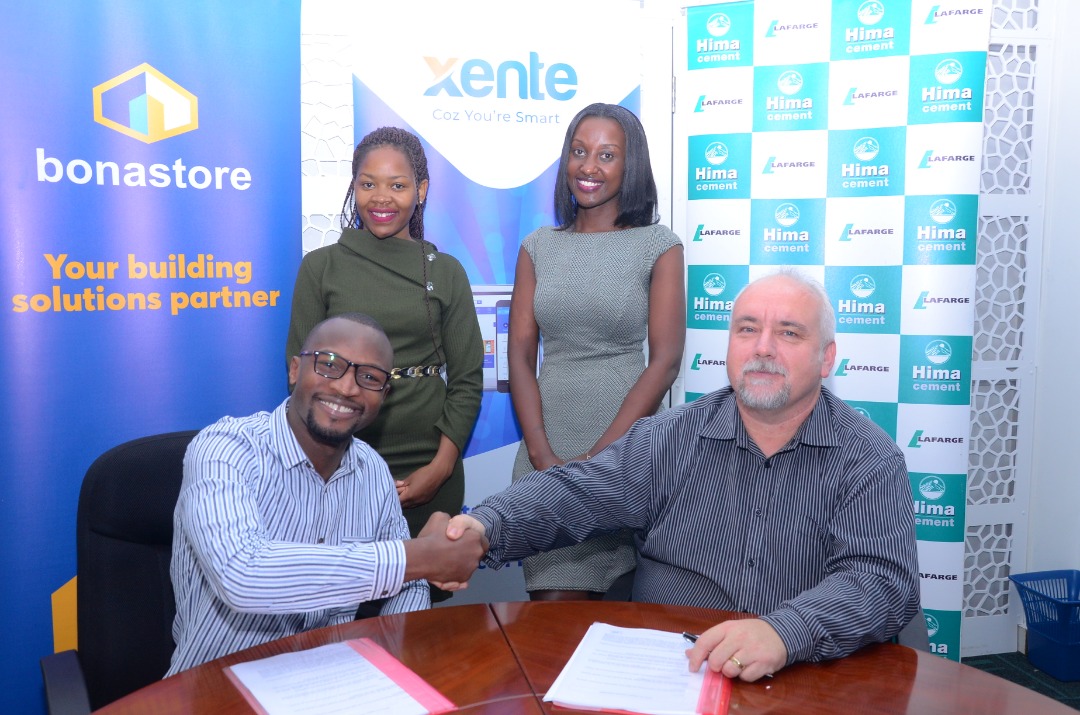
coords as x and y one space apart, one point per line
501 659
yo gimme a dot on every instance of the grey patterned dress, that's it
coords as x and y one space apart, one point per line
592 307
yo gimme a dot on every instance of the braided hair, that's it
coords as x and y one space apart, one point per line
408 144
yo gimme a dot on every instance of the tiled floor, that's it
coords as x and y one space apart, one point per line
1015 667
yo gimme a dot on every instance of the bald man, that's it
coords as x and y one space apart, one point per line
770 496
286 522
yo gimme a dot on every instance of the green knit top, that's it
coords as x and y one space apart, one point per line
388 279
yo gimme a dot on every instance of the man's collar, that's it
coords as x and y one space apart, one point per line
289 449
726 423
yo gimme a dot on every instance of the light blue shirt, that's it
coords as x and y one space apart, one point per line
264 548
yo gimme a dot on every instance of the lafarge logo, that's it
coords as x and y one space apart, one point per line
146 105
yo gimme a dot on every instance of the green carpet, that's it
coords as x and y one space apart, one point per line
1015 667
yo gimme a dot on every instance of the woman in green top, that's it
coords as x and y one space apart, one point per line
382 266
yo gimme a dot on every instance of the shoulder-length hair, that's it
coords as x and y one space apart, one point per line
637 196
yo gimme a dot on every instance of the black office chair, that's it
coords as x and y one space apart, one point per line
124 534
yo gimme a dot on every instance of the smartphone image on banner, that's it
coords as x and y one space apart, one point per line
502 332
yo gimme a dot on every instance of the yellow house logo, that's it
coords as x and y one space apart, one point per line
145 105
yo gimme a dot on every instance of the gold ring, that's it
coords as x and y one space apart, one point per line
737 662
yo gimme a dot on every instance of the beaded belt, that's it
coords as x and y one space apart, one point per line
416 371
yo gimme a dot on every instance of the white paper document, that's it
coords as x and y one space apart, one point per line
636 670
350 677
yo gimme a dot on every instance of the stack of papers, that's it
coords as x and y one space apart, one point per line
637 670
349 677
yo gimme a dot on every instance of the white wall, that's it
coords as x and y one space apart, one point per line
1054 536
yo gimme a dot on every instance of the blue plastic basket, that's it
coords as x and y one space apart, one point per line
1052 609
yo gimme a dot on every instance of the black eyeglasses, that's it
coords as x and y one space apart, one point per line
333 367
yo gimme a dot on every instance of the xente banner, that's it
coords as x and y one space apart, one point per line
149 207
844 138
490 92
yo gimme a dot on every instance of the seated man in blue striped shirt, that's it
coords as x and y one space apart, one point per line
771 497
286 522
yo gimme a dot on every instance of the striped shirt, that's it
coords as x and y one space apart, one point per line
264 548
818 539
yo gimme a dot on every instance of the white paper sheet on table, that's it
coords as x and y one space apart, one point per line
636 670
349 677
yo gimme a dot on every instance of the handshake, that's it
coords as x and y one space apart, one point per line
446 551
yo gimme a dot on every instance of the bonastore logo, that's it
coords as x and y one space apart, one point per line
146 105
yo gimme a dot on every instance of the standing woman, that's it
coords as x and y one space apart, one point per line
382 266
593 288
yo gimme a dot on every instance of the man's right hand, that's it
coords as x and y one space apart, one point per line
441 560
463 523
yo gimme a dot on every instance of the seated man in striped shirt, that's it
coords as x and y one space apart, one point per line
286 522
771 497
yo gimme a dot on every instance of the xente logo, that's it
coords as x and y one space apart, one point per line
478 78
146 105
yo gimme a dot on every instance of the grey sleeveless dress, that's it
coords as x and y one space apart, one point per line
592 307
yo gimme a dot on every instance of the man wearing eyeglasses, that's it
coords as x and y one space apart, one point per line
286 522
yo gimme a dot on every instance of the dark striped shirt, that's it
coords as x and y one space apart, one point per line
818 539
264 548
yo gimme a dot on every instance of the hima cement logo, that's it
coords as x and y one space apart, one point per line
938 352
863 286
932 625
787 214
710 294
714 284
948 71
867 164
939 510
146 105
716 153
718 24
859 312
932 487
937 229
871 12
875 29
943 211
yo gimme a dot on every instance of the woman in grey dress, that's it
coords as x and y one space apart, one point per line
592 289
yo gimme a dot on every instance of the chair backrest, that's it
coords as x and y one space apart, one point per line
124 545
